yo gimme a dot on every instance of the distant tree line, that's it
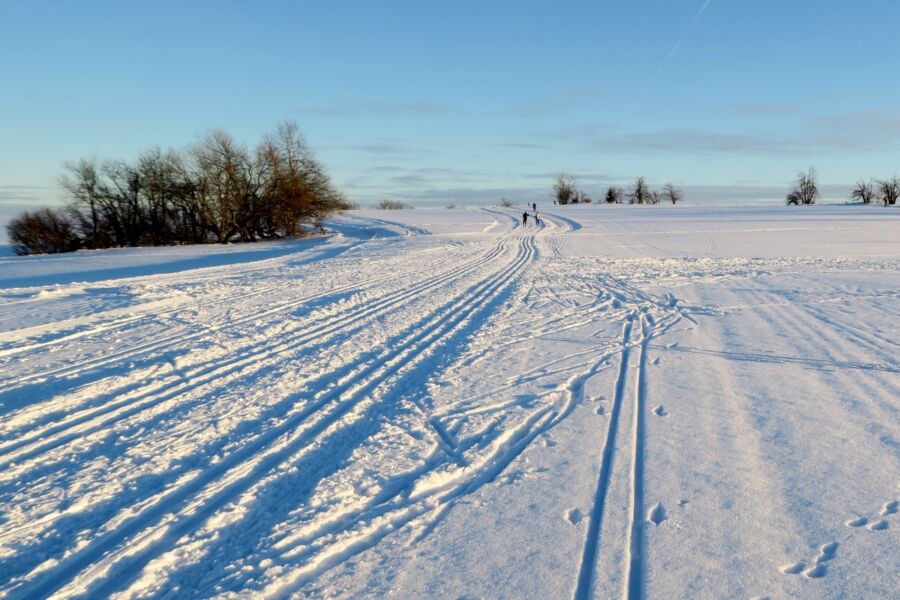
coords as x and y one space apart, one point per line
566 192
806 190
388 204
216 191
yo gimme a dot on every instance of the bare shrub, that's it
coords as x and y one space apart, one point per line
43 231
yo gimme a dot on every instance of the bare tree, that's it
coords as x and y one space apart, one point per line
614 195
672 193
564 189
806 190
640 193
863 192
890 190
82 184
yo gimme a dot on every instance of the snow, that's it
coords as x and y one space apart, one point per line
678 402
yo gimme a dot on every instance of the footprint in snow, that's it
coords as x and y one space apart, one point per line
816 572
857 522
817 569
793 568
827 552
657 514
660 411
879 525
601 410
655 361
575 516
890 508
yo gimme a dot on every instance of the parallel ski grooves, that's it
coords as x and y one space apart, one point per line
272 447
208 372
592 540
635 567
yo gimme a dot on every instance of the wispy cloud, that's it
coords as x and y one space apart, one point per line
524 145
22 194
393 108
764 108
398 148
873 130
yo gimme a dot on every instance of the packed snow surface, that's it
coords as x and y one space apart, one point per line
625 402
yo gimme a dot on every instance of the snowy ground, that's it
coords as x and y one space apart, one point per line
629 402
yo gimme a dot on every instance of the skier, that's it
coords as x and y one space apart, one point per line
537 218
525 219
534 207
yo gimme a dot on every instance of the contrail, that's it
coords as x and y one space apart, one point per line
701 11
669 57
678 44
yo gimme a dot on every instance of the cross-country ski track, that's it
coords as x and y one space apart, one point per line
623 402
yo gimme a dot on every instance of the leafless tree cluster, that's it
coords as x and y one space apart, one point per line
565 192
388 204
806 190
888 190
217 191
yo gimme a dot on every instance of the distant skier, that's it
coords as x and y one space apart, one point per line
534 207
537 218
525 219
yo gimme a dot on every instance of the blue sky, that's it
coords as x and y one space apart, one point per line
463 101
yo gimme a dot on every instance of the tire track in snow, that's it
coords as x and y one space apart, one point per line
223 481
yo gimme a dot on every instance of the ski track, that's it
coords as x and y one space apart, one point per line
51 579
284 397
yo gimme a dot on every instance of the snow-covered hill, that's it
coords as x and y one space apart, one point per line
625 402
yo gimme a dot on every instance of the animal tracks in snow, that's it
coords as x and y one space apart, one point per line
817 567
876 523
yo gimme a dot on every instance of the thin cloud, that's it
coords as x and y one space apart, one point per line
764 108
393 108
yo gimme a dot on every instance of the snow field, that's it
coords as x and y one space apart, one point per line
623 403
